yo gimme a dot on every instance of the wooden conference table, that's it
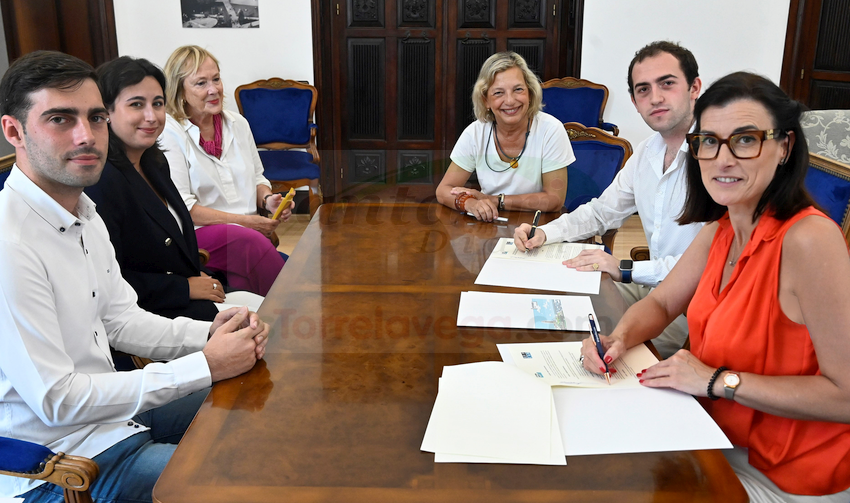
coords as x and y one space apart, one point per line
363 320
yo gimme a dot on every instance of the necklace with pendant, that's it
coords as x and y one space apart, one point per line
513 162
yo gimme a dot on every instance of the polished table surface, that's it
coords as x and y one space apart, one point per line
363 321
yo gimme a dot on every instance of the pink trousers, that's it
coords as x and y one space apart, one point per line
248 258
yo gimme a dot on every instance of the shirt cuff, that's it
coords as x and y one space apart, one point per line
192 372
553 233
643 273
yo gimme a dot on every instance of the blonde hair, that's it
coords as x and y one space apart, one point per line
498 63
183 62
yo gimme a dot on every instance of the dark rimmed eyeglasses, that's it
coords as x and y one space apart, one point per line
746 145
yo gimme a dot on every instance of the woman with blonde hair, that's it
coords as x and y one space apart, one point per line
217 170
519 153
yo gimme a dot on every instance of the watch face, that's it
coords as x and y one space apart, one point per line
626 265
731 380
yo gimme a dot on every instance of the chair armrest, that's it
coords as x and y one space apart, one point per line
607 126
74 474
608 239
312 148
203 256
640 253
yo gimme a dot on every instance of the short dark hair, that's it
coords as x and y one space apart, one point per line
115 75
36 71
786 194
687 61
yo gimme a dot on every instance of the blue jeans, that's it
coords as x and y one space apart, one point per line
130 468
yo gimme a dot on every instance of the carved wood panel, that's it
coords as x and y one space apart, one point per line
476 13
533 51
471 54
366 88
416 89
415 166
833 49
416 13
828 95
365 13
368 166
527 14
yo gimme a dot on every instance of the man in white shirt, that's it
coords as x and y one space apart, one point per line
63 302
664 85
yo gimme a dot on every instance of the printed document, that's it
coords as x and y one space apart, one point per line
544 271
557 363
517 310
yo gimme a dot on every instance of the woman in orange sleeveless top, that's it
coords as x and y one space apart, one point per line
766 287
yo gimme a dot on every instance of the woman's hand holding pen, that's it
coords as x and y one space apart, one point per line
482 207
521 238
613 349
683 371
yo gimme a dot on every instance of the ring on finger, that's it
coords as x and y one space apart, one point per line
215 286
595 267
581 359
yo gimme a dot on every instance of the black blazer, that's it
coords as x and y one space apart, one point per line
155 257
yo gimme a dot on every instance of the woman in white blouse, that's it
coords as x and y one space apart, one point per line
216 168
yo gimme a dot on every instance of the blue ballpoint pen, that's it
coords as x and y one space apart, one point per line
599 349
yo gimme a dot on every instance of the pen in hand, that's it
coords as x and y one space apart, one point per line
599 349
497 219
533 226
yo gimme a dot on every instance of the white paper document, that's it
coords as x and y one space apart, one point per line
532 311
535 274
493 412
550 252
616 420
557 363
241 298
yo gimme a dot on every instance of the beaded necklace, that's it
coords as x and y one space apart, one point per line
514 161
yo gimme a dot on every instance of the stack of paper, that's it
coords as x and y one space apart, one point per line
540 270
626 416
492 412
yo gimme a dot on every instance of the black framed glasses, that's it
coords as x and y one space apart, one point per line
746 145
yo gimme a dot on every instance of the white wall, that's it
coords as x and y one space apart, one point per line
724 35
281 47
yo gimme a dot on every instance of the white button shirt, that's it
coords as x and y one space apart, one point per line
658 197
63 302
227 184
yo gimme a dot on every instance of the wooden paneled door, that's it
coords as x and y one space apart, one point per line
816 65
395 78
82 28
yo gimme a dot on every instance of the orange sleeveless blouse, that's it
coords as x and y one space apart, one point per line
743 328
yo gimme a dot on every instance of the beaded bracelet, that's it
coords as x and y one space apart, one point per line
460 201
709 392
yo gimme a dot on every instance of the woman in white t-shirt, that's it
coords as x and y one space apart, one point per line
519 153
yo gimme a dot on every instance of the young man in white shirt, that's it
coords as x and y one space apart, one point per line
63 302
664 85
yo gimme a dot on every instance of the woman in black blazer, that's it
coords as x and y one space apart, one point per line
148 223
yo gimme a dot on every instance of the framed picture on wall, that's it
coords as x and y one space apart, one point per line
220 13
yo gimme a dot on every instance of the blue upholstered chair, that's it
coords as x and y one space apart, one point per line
828 181
577 100
599 157
280 113
33 461
5 167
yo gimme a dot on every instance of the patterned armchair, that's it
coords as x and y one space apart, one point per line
828 133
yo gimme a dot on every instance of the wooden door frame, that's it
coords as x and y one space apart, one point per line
102 36
322 12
